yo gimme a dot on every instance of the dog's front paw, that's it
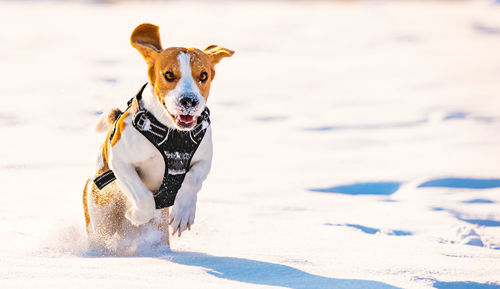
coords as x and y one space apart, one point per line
142 214
183 212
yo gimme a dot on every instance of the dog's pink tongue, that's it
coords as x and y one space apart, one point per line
186 118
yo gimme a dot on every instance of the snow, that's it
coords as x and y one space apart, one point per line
356 144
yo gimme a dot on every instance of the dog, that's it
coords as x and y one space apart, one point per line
158 152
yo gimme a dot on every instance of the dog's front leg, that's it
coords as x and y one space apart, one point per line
184 208
143 204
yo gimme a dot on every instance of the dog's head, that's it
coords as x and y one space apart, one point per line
180 76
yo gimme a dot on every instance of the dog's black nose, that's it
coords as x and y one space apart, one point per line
188 100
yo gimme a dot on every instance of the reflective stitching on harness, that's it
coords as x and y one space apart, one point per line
166 137
191 136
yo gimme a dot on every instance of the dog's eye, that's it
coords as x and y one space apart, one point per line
203 76
169 76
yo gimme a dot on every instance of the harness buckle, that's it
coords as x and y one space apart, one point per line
142 122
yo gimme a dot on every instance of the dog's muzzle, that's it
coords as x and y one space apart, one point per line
188 101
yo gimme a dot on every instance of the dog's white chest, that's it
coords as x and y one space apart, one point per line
151 171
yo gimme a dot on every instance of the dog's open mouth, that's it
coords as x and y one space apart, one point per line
185 121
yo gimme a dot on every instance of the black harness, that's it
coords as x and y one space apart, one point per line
177 148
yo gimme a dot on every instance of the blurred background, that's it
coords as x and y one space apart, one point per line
355 141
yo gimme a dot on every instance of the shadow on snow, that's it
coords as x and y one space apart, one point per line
485 29
465 285
479 222
478 201
369 188
265 273
462 183
373 231
367 126
454 115
388 188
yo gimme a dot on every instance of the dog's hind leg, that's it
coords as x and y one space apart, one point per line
145 238
105 214
161 223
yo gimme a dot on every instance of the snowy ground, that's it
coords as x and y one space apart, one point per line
357 144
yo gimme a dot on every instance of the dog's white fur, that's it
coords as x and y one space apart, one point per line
139 169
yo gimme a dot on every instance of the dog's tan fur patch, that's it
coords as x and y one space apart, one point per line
104 196
85 206
119 127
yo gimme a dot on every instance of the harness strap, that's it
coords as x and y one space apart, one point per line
104 179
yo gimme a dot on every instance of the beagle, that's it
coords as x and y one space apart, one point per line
158 151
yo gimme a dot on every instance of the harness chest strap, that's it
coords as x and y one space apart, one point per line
176 147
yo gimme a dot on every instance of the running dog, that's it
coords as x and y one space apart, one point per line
158 151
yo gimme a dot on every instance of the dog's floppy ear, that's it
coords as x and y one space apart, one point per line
146 39
216 53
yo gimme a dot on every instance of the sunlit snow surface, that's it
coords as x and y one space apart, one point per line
357 144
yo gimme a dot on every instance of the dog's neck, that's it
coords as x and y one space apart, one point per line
153 105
